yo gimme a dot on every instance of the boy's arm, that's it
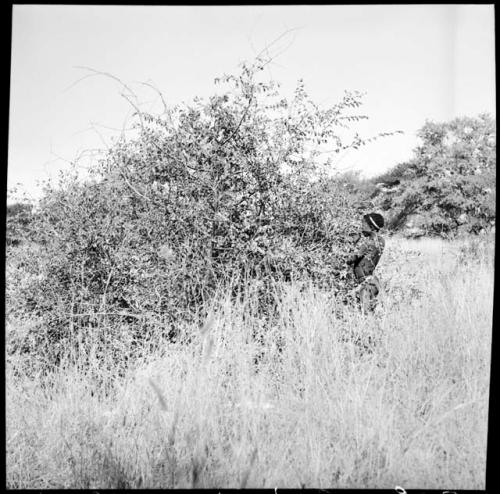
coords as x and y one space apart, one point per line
355 258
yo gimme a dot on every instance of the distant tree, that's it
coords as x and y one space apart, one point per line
361 189
449 184
19 217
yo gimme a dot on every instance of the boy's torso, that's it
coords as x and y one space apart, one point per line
370 248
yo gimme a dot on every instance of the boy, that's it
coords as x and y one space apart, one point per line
365 260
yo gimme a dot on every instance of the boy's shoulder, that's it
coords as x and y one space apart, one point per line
372 243
378 241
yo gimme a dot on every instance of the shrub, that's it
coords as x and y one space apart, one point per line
221 192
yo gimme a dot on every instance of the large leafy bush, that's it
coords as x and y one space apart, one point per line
228 192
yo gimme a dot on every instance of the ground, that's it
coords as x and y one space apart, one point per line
336 400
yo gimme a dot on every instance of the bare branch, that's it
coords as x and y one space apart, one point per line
78 81
128 97
124 314
107 74
270 45
165 108
137 109
101 137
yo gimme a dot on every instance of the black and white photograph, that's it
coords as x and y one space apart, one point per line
250 246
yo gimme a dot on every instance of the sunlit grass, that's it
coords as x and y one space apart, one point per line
335 399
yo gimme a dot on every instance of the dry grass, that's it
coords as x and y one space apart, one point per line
317 410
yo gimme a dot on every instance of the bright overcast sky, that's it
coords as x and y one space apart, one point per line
415 62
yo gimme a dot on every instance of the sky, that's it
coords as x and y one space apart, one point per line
413 62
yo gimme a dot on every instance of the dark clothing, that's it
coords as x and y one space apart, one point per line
364 262
366 258
368 292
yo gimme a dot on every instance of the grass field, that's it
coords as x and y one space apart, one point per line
318 410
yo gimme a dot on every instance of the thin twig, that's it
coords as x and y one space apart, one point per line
267 47
132 187
137 109
165 109
124 314
103 301
107 74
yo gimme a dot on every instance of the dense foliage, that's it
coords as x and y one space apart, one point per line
228 191
19 217
448 187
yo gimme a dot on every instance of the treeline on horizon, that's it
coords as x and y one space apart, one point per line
448 187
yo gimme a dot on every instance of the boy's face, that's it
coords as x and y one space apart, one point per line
365 227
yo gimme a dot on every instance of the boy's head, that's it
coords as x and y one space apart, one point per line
372 222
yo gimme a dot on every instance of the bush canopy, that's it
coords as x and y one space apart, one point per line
233 190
